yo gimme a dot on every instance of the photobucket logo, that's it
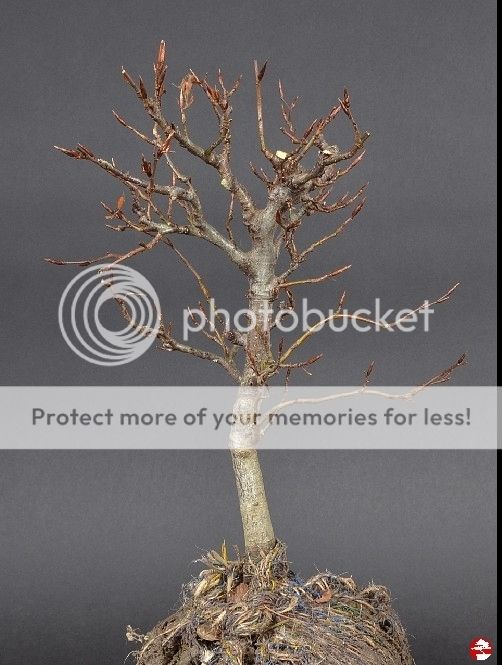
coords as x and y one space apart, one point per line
307 318
81 310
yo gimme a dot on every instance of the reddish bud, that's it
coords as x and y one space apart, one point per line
128 79
119 119
358 208
161 54
70 153
142 89
146 166
261 72
84 150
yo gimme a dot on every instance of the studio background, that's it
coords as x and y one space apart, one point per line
93 541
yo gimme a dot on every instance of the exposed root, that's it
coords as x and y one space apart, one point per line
257 612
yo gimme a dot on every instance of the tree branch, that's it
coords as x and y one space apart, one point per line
198 226
339 314
314 280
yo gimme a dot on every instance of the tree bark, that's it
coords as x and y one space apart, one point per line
256 521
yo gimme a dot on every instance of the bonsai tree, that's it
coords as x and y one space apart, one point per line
252 609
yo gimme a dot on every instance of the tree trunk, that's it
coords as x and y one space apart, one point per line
256 522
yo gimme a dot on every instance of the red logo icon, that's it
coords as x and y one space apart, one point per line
480 648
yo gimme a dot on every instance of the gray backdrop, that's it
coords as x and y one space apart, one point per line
93 541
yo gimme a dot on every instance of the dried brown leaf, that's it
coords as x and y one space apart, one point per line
325 597
237 594
208 632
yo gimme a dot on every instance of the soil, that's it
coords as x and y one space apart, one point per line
253 611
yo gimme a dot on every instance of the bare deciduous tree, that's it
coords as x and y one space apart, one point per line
298 183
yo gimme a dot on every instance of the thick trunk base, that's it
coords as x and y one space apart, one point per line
257 612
